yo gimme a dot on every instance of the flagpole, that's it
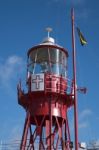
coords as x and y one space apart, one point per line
74 81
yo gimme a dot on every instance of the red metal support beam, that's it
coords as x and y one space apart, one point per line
68 130
25 132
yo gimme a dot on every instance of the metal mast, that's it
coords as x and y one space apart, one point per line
74 81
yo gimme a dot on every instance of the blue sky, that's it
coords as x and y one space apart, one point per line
22 25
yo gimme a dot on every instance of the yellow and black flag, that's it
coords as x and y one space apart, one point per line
81 37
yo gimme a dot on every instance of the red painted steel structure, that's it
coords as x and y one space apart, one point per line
47 101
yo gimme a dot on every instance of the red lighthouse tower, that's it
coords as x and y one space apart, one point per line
46 101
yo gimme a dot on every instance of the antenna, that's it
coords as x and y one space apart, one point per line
48 29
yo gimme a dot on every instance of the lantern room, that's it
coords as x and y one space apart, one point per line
48 57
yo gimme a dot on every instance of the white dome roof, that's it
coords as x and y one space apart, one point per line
49 40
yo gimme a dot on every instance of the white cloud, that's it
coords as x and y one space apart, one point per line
11 70
83 125
83 121
16 133
97 143
14 138
11 140
14 60
93 144
10 67
83 118
85 113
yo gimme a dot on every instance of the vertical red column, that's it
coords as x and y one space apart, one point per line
48 134
25 132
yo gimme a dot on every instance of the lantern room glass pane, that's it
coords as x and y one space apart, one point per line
46 59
